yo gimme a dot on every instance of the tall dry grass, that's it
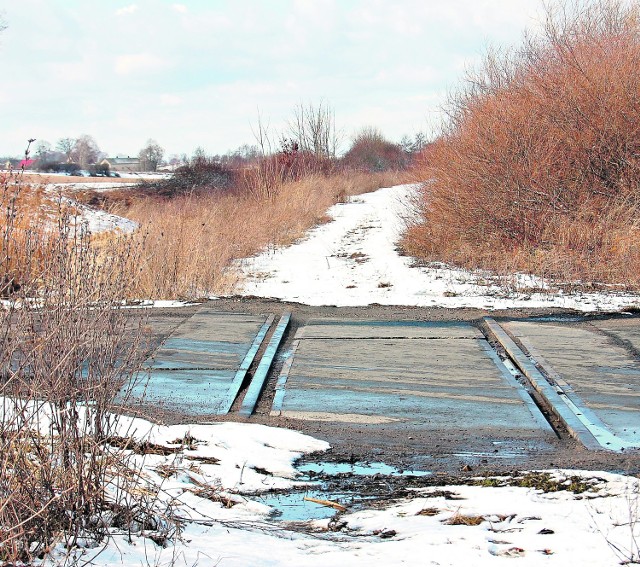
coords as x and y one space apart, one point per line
190 243
538 165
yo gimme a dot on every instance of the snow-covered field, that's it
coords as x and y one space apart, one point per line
353 260
596 528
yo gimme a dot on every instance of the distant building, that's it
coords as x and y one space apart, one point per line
123 164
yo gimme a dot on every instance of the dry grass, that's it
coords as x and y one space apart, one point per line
459 519
190 243
537 169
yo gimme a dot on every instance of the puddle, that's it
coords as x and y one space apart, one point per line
292 506
362 469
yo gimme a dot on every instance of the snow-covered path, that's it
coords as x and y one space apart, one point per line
353 260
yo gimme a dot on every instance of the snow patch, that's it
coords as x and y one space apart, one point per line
353 260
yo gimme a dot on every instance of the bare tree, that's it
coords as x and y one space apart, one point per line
43 149
85 151
65 145
314 129
151 155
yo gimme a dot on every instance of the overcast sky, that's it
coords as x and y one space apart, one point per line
197 72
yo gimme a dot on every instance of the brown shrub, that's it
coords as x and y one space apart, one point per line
538 166
67 354
370 151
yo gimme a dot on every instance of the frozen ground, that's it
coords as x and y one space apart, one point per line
353 261
596 528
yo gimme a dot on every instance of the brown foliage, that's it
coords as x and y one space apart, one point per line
538 167
370 151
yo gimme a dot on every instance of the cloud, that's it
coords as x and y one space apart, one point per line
139 63
127 10
170 100
180 8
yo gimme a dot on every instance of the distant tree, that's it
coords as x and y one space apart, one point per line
313 128
42 150
65 145
406 143
371 151
85 151
199 154
420 143
151 155
414 145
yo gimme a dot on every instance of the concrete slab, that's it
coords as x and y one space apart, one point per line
427 378
358 329
625 330
598 372
200 367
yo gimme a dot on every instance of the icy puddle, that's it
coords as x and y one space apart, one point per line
299 506
365 469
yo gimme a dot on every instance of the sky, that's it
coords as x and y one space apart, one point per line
199 73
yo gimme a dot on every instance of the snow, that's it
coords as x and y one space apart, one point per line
240 447
353 261
586 528
597 528
101 221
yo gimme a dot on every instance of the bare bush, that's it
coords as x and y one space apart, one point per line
370 151
313 129
292 159
537 168
67 353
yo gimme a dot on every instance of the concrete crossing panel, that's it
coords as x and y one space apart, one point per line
202 364
594 364
426 376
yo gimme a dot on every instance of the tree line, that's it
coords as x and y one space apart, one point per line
83 153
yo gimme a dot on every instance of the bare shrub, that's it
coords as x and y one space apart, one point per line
308 152
66 351
313 130
537 167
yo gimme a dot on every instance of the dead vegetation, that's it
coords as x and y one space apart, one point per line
537 167
459 519
67 355
190 243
